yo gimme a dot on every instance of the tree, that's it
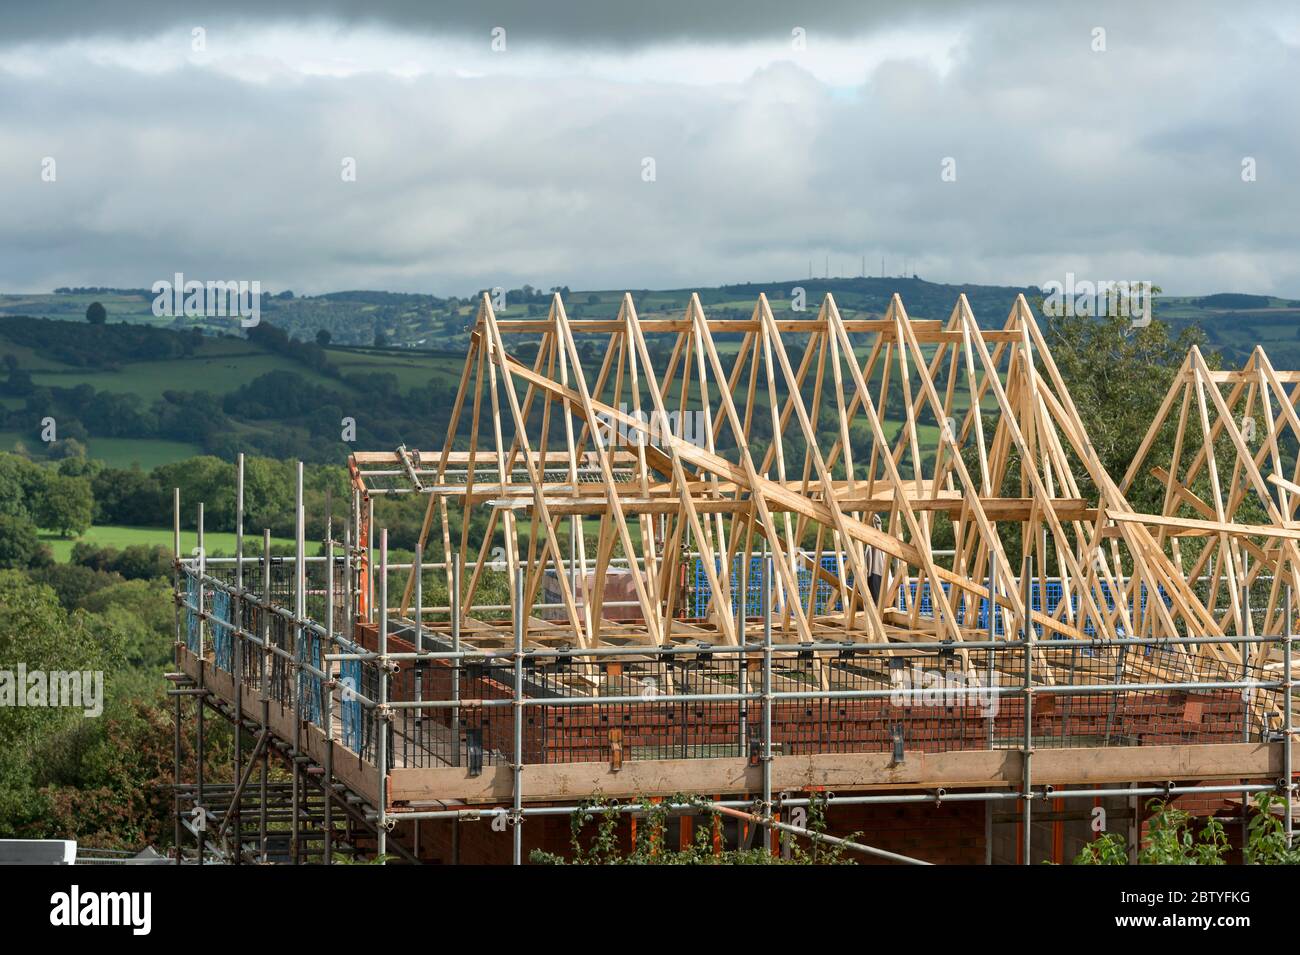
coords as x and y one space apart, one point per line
323 337
69 449
19 546
36 630
105 781
72 582
204 478
96 314
1118 375
21 481
65 504
142 611
129 496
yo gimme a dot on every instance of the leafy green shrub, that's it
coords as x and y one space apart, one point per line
603 847
1171 840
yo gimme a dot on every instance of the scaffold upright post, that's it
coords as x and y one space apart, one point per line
200 821
1027 624
418 675
517 819
299 656
327 692
1288 780
268 670
455 663
990 715
767 700
236 636
177 577
382 713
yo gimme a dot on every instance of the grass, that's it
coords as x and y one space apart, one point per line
146 452
219 374
116 452
9 439
68 307
413 370
117 536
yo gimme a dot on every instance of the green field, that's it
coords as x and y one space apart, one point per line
146 452
219 366
119 537
72 306
117 452
413 369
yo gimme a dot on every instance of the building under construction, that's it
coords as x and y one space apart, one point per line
870 563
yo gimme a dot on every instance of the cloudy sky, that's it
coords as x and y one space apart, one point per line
648 144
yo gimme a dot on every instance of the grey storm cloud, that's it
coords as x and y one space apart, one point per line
1123 164
601 21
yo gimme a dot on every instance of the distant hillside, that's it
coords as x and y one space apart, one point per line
133 394
1235 323
140 388
427 321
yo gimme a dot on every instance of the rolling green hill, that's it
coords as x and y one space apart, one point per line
1235 324
425 322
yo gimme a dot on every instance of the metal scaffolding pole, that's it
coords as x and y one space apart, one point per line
991 712
176 655
295 671
200 821
237 645
1288 779
327 691
1028 628
742 669
420 665
455 669
382 715
724 810
454 602
1244 649
518 819
266 667
767 700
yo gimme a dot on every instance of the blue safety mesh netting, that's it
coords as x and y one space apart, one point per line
754 586
702 593
307 650
350 706
223 644
1054 592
